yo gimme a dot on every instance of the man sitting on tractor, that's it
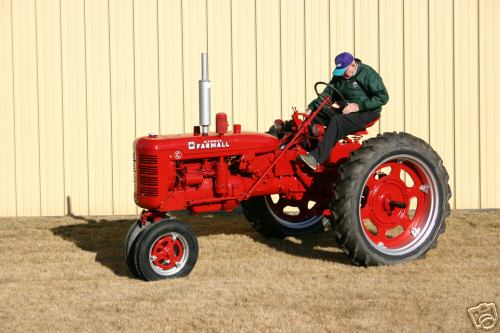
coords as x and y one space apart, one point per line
364 92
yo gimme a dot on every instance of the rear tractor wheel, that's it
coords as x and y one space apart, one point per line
274 216
391 200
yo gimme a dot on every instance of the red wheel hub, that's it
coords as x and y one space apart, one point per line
387 203
167 252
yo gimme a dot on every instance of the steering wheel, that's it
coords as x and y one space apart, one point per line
341 102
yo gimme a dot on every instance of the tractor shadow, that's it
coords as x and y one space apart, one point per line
100 236
105 237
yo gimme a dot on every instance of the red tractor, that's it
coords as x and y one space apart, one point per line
386 199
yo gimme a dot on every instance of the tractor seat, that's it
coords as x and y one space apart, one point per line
364 131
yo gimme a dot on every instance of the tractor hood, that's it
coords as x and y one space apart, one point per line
188 146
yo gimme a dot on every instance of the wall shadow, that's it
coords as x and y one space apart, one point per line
105 237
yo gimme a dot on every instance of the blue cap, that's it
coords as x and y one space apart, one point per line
342 61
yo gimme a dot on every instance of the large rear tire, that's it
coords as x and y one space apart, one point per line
391 200
273 216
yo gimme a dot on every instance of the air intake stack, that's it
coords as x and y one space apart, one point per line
205 86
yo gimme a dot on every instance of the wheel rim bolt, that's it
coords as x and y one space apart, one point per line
424 188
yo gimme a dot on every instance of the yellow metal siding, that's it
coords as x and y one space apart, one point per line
98 107
293 62
489 94
392 63
318 62
74 88
80 79
244 63
50 107
146 67
416 69
269 103
466 85
121 35
366 37
170 66
441 91
26 109
7 142
220 60
194 42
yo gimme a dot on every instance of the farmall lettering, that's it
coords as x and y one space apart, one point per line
208 144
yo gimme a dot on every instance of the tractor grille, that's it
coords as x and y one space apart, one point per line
146 168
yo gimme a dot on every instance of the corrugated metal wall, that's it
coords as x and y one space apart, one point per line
80 79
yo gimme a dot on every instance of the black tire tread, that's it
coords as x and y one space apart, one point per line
129 244
257 213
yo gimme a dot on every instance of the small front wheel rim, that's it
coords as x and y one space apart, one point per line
169 254
399 205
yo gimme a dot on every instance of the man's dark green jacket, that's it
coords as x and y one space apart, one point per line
365 88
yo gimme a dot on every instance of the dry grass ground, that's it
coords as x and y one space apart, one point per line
66 274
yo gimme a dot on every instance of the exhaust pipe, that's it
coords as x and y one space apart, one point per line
205 86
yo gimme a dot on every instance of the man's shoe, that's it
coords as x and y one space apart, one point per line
309 160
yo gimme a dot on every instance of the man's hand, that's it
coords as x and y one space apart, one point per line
350 107
308 112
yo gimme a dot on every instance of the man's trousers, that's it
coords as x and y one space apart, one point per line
338 127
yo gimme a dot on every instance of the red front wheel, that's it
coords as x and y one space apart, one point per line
165 249
392 200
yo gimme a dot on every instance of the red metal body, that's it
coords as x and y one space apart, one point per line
204 173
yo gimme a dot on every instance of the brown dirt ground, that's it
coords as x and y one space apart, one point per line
67 274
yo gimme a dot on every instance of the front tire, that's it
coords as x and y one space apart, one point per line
391 200
166 249
133 232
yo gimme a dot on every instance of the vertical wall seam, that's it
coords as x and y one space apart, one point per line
111 114
38 113
206 35
428 72
354 26
133 55
454 111
158 64
329 36
404 68
182 69
133 73
479 101
13 104
256 67
379 125
305 53
494 83
453 106
232 61
281 62
62 108
378 40
86 104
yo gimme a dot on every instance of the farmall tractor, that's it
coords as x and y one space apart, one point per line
386 198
